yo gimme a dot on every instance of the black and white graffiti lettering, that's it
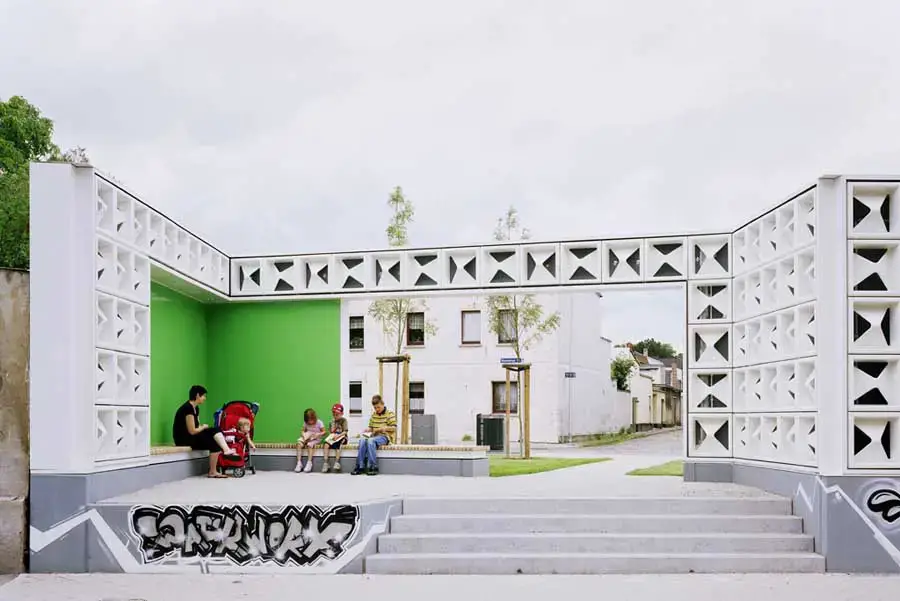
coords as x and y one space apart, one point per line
886 503
299 535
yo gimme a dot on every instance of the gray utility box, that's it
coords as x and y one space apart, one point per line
424 429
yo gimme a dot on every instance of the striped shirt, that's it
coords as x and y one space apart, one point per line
385 420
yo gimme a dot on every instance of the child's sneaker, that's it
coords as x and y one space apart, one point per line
299 467
324 467
308 467
336 468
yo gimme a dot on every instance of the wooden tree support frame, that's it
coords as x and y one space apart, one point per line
524 370
404 388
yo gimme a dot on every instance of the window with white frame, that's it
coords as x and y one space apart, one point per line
417 398
355 396
415 329
498 402
507 333
470 327
357 333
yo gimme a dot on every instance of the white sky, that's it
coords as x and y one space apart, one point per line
282 126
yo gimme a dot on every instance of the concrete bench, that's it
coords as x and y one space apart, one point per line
420 460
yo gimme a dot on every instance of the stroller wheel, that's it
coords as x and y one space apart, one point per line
238 472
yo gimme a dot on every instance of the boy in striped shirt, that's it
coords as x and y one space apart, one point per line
382 426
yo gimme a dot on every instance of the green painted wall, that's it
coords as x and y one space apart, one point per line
178 355
284 355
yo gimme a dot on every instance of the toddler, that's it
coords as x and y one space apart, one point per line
310 438
338 431
239 434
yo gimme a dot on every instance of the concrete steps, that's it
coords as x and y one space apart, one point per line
595 536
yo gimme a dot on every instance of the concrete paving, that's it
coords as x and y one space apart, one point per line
644 587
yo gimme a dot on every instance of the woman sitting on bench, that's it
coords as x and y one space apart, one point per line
187 432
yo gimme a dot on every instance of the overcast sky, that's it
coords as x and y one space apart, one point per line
282 126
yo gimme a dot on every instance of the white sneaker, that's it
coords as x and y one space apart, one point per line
299 467
336 467
324 467
308 467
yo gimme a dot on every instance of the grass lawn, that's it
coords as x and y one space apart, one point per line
600 440
672 468
512 466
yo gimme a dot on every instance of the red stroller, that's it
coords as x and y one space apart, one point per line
226 419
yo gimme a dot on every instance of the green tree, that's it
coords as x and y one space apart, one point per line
392 313
655 348
517 318
25 136
620 370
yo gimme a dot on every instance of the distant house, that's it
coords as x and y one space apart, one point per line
659 403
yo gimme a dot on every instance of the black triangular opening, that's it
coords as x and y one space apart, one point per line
453 269
308 275
351 263
240 277
282 286
666 271
378 271
711 402
424 260
351 283
860 326
501 255
699 434
871 397
871 283
710 291
425 280
873 369
254 276
470 267
530 264
613 262
634 261
581 253
710 312
711 379
581 274
873 255
886 212
550 264
323 274
699 258
665 249
699 346
886 440
722 435
860 211
281 266
860 440
721 345
721 257
886 326
395 271
501 277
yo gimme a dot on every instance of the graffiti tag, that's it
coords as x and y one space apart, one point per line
886 503
295 534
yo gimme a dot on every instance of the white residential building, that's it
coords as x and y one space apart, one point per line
455 374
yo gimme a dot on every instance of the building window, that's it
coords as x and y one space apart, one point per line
417 398
498 403
415 329
470 327
357 333
355 395
507 333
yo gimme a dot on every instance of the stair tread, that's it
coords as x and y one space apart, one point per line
779 554
669 516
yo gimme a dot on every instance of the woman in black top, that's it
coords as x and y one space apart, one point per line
187 432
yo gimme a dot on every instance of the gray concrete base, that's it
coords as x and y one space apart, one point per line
418 466
855 520
12 535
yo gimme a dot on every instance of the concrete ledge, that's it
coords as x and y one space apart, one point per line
12 535
397 465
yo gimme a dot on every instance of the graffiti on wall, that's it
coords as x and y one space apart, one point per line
884 502
297 535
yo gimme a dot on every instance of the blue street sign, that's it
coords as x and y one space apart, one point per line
509 360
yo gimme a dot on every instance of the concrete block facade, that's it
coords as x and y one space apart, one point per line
770 398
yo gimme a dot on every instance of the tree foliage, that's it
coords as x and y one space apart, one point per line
620 370
25 136
654 348
392 313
